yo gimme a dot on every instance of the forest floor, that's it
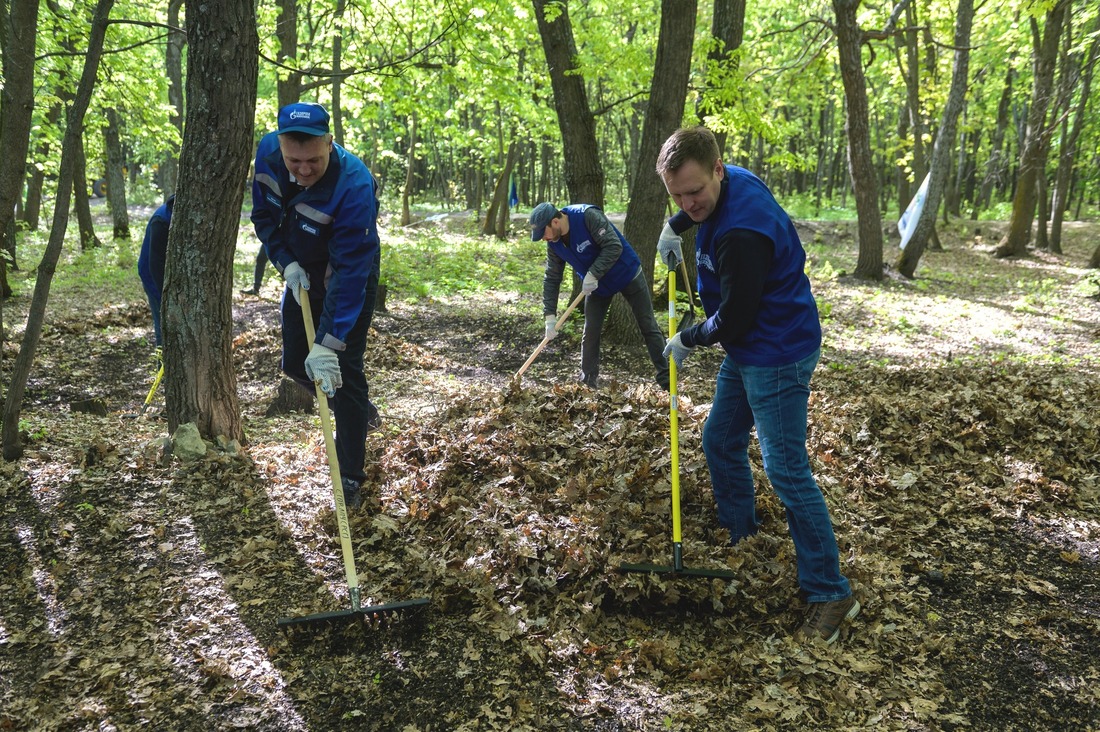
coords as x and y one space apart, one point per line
953 429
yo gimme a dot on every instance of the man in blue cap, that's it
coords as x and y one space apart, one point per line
315 209
583 236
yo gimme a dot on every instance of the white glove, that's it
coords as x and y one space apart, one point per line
676 348
590 284
669 243
323 368
296 277
551 321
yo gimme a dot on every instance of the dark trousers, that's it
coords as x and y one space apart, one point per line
351 406
258 270
640 300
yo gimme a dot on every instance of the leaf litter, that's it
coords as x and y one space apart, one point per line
139 591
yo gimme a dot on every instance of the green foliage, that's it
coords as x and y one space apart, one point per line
433 265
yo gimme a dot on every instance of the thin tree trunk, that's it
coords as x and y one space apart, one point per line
496 219
1094 260
728 29
173 67
995 167
1034 151
200 384
36 315
116 178
583 166
289 89
410 163
1068 152
85 223
860 161
337 77
945 141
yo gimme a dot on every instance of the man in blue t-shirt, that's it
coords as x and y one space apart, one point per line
760 310
582 236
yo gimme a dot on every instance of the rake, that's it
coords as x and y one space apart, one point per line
356 612
677 567
538 349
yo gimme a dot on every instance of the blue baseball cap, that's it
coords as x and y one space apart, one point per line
542 215
308 118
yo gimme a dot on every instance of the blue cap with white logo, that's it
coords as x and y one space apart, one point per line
308 118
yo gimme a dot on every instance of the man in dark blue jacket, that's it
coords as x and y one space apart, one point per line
583 236
315 209
154 248
760 310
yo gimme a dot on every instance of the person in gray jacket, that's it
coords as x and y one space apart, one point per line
582 235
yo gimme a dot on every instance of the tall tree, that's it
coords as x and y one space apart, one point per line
583 167
940 166
18 30
1037 138
1067 154
861 164
173 67
223 51
286 30
664 113
116 176
36 314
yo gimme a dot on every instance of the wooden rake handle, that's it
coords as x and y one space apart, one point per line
333 466
572 306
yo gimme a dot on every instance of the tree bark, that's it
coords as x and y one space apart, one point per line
945 142
410 165
200 383
32 210
861 163
116 177
337 77
173 68
1037 138
583 167
74 126
18 30
496 218
645 213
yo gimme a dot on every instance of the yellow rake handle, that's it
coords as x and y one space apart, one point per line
333 467
674 413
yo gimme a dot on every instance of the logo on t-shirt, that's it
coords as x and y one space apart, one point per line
705 263
583 245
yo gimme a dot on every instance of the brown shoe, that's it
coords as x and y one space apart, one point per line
824 618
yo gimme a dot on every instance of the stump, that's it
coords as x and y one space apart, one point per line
290 398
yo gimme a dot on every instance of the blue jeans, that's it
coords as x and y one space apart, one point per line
775 399
351 406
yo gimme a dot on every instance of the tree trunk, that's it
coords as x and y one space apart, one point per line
173 67
37 178
496 218
1068 151
945 141
860 161
1037 138
286 30
995 167
645 213
728 29
88 238
200 384
116 177
584 174
1094 260
36 314
18 29
919 164
410 164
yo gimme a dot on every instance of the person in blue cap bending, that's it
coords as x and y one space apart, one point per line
315 209
582 235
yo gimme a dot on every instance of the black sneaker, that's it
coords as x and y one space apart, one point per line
824 618
353 497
